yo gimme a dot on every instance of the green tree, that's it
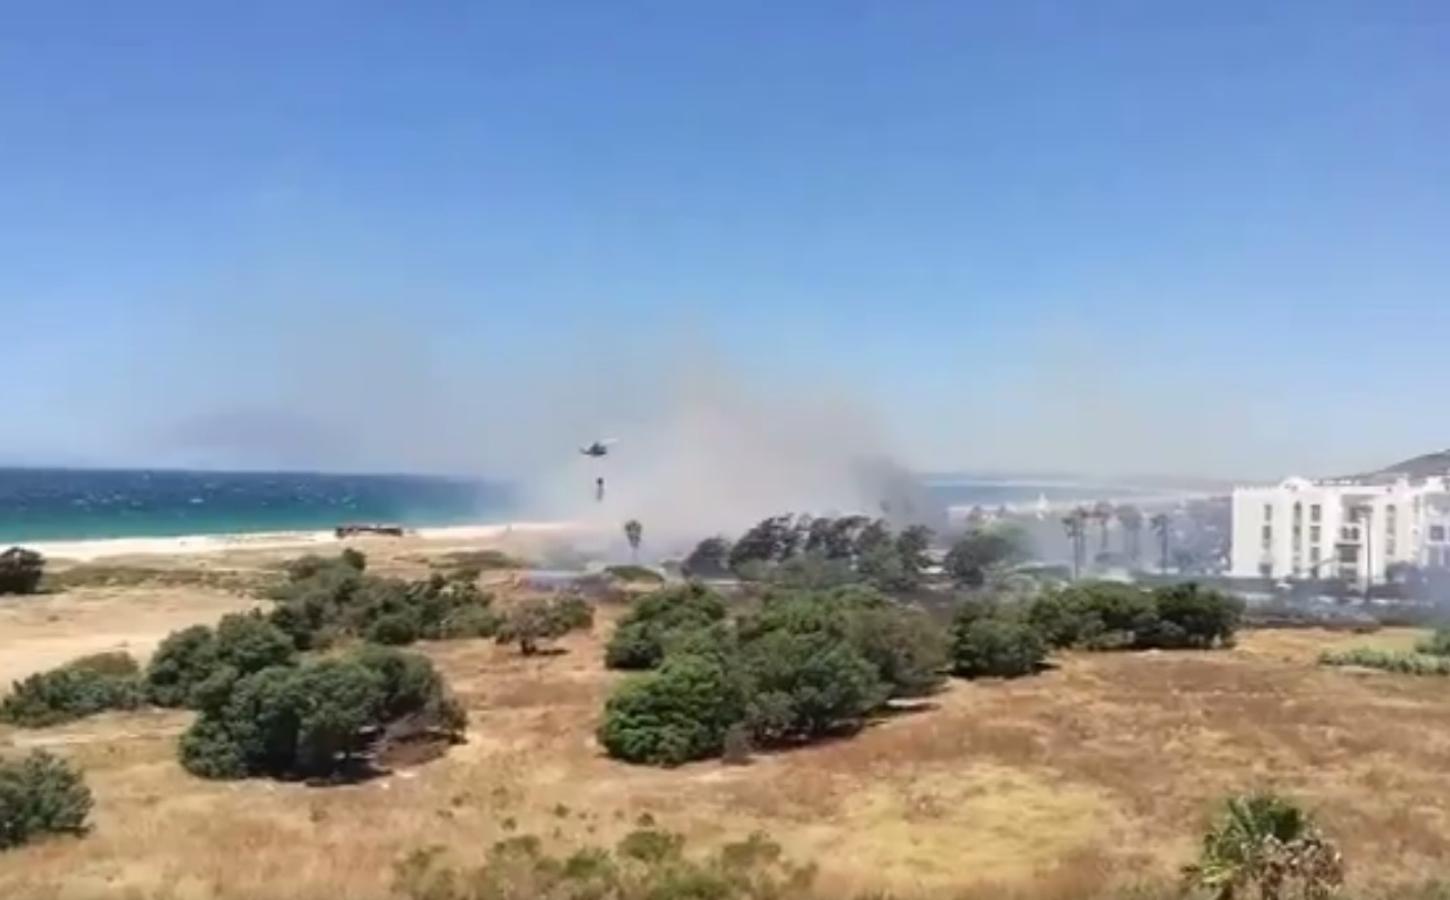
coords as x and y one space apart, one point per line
976 554
633 533
912 545
709 559
770 540
20 571
1268 844
40 794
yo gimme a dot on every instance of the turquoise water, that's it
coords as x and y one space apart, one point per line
71 504
78 504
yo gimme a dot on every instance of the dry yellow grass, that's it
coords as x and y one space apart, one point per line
1098 772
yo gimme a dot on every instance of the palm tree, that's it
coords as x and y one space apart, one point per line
633 532
1132 520
1103 512
1161 524
1075 524
1266 842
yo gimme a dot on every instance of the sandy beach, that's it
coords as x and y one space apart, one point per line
187 545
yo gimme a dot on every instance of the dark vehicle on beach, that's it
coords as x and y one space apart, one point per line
353 529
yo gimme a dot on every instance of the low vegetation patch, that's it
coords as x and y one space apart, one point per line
635 574
20 571
40 794
647 864
328 718
102 575
326 600
1388 660
80 688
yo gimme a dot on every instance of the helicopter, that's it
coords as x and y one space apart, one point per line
597 449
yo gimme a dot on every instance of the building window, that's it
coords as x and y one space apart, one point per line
1298 511
1314 555
1315 511
1266 569
1437 533
1348 554
1314 534
1268 512
1268 536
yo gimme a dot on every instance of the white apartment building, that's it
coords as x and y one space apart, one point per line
1349 528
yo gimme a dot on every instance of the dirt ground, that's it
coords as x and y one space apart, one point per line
1098 772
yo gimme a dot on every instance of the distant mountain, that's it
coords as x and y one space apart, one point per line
1437 463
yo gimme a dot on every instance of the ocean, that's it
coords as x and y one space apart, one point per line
82 504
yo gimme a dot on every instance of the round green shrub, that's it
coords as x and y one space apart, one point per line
675 714
997 648
39 794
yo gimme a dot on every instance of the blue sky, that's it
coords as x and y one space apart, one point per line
1131 237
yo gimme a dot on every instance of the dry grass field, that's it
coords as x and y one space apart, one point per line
1097 773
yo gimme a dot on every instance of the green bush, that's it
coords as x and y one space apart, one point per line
327 600
320 719
40 794
1437 644
804 685
804 664
1192 617
640 637
907 647
994 647
534 620
476 621
1112 616
80 688
183 660
1388 660
20 571
673 715
242 643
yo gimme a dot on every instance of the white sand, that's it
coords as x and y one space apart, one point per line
89 550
